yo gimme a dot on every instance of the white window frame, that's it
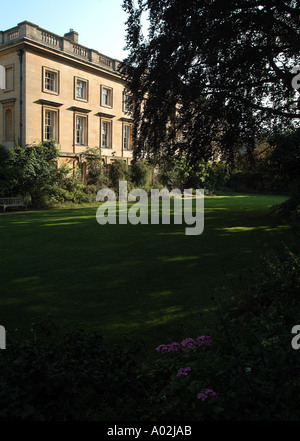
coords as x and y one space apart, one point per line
55 88
85 89
108 144
127 141
110 96
125 102
50 131
81 129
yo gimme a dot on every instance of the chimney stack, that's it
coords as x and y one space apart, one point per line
72 35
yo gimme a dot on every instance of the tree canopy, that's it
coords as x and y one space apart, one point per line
210 75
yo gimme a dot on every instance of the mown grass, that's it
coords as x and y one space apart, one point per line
149 282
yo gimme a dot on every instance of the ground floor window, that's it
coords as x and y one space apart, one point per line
9 78
81 130
50 125
127 138
106 132
8 125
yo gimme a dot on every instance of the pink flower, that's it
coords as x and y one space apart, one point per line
174 347
211 393
183 372
162 348
206 393
204 340
189 343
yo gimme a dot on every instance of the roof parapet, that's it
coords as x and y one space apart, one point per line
67 44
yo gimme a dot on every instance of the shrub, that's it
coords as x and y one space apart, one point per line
119 172
167 178
95 166
218 176
32 172
250 365
141 174
76 377
177 172
28 171
284 162
70 188
272 167
181 376
259 374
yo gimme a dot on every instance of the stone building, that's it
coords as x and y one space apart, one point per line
57 89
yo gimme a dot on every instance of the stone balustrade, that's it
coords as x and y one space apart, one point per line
33 32
81 51
10 35
50 39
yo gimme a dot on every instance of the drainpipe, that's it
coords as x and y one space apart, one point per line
20 53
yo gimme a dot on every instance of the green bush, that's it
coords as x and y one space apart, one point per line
272 167
32 172
69 378
95 166
250 365
141 174
58 195
218 176
260 370
168 178
28 171
284 162
177 172
180 379
119 172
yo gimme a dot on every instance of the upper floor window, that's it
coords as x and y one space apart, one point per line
106 96
81 89
126 101
50 81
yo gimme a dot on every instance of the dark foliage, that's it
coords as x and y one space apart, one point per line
248 364
215 74
28 171
119 172
71 377
141 173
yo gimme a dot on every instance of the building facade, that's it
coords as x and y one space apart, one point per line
58 89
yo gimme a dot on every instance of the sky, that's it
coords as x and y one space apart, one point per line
100 23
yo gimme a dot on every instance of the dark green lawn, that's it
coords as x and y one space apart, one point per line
152 282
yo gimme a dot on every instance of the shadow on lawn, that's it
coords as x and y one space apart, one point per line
149 281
